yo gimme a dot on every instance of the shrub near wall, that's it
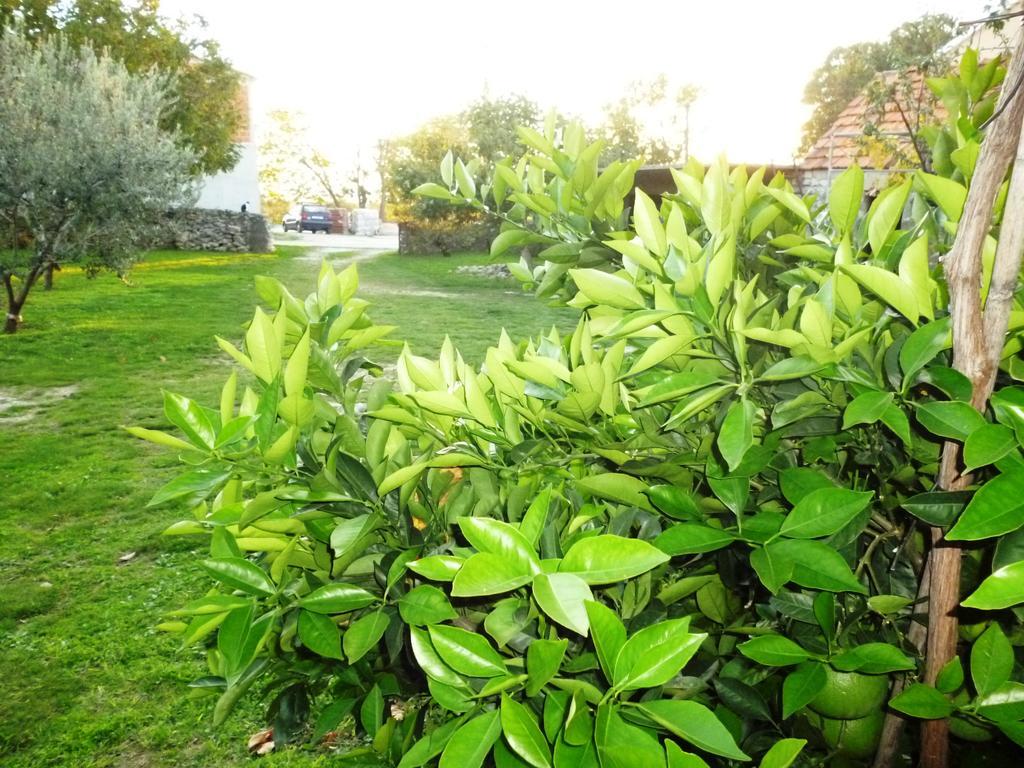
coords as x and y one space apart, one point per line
429 237
689 533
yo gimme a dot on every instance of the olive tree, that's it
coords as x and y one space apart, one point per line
86 171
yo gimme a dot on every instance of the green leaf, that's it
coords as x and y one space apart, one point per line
190 418
609 635
951 676
696 724
470 745
501 539
845 198
655 655
648 224
447 167
996 509
798 482
949 195
487 574
886 286
923 702
937 507
160 438
425 604
866 408
677 758
621 745
885 214
873 659
543 660
923 345
952 419
772 567
674 502
321 635
606 559
609 290
987 445
991 660
816 565
430 189
1002 589
337 598
773 651
437 567
563 597
363 634
801 686
624 489
429 660
263 346
692 539
199 483
737 432
783 753
239 573
824 511
297 367
1005 705
466 652
523 734
430 746
400 477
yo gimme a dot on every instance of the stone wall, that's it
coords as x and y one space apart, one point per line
199 229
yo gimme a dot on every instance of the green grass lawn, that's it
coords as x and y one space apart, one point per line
84 573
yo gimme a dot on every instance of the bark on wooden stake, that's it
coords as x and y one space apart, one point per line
978 338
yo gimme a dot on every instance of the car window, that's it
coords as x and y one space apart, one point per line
315 208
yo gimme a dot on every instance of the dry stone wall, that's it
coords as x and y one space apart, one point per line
199 229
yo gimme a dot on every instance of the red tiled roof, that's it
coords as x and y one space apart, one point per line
843 144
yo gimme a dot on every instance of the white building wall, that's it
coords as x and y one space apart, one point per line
228 191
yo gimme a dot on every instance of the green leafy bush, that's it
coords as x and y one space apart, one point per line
689 533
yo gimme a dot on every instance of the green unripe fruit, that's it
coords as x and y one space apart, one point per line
850 695
854 738
967 730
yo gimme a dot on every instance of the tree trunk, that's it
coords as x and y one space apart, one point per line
13 317
978 339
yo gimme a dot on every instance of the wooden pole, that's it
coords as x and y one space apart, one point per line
978 338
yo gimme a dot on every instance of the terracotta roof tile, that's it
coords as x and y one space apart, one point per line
837 149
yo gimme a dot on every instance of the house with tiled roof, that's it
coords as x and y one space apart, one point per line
876 130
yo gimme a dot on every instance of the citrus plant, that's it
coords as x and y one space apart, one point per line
690 532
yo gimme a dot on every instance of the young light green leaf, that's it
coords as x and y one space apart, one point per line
472 742
543 660
996 509
1002 589
885 214
502 540
845 198
523 734
563 597
614 486
606 559
466 652
487 574
610 290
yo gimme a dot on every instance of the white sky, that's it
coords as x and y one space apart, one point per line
362 71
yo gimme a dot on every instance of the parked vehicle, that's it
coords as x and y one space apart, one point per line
308 217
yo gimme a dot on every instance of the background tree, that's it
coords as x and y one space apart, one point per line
86 168
650 121
411 161
292 170
491 124
204 111
847 70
